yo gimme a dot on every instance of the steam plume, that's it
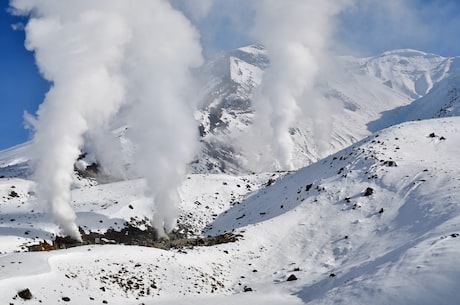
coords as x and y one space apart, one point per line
99 55
161 88
297 34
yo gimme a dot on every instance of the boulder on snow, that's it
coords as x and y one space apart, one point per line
369 191
291 278
25 294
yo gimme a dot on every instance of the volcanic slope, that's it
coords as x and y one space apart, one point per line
377 222
354 97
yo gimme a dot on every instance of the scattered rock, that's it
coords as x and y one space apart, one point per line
390 163
13 194
247 289
25 294
308 187
291 278
432 135
242 216
455 235
369 191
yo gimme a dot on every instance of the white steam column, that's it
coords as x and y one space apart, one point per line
100 55
296 34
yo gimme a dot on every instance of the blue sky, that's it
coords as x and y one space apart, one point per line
21 86
368 28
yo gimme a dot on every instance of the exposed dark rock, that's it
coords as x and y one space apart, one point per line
369 191
381 210
247 289
308 187
390 163
270 182
25 294
13 194
131 235
66 299
291 278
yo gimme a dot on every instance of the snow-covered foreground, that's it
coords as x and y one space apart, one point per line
376 223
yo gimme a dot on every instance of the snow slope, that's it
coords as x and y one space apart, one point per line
375 223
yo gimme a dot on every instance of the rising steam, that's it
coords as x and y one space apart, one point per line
297 36
100 55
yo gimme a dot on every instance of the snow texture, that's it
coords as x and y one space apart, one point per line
375 223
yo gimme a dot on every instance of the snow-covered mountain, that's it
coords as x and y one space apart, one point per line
375 223
363 95
373 219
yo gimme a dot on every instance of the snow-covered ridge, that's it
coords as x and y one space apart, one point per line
408 53
410 71
364 95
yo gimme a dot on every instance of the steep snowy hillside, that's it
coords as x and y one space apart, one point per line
441 101
375 223
359 96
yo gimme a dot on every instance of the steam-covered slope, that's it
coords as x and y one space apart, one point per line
356 96
376 223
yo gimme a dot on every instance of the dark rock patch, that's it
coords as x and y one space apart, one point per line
369 191
134 236
25 294
390 163
13 194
